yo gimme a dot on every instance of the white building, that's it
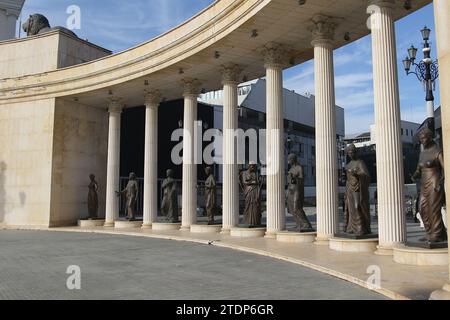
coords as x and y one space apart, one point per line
9 14
299 120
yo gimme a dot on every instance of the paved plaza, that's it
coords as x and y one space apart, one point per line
33 265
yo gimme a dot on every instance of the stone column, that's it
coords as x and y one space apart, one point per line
442 17
152 100
326 146
276 57
189 187
230 191
113 166
390 176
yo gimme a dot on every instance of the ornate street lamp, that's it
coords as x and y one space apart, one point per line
426 71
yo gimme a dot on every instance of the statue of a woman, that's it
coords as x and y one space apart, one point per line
357 207
251 185
93 198
430 170
210 194
296 194
169 204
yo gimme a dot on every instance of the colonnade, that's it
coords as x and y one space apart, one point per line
276 57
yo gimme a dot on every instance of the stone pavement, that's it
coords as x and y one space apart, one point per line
33 265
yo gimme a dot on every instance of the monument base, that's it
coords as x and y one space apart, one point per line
250 232
125 223
164 226
356 237
427 245
206 228
421 256
296 237
86 223
353 245
443 294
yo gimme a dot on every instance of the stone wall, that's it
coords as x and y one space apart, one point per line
79 149
26 143
44 53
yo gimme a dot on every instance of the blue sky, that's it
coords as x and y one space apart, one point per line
118 25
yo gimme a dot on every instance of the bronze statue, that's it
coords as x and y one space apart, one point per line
296 194
251 186
430 170
357 205
169 205
93 198
131 193
38 24
210 194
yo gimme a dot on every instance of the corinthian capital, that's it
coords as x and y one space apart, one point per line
115 104
191 87
275 55
152 98
322 29
230 72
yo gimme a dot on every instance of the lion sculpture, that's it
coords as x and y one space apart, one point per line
38 24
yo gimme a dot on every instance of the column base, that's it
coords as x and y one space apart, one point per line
322 241
353 245
185 228
147 225
109 224
443 294
384 251
225 231
271 234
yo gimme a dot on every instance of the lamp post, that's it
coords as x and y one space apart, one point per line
426 71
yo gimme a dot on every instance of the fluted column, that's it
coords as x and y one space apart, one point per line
113 167
442 16
390 176
189 183
230 191
276 57
152 100
326 145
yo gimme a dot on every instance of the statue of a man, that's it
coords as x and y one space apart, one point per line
210 194
430 170
169 205
131 193
93 198
296 194
357 206
251 185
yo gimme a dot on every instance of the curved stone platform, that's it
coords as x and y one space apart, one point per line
88 223
352 245
165 226
421 256
248 232
205 228
122 224
296 237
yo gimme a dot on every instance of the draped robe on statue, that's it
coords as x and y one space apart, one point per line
357 208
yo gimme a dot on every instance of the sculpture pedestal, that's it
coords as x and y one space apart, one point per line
205 228
162 226
248 232
122 224
353 245
296 237
421 256
443 294
86 223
